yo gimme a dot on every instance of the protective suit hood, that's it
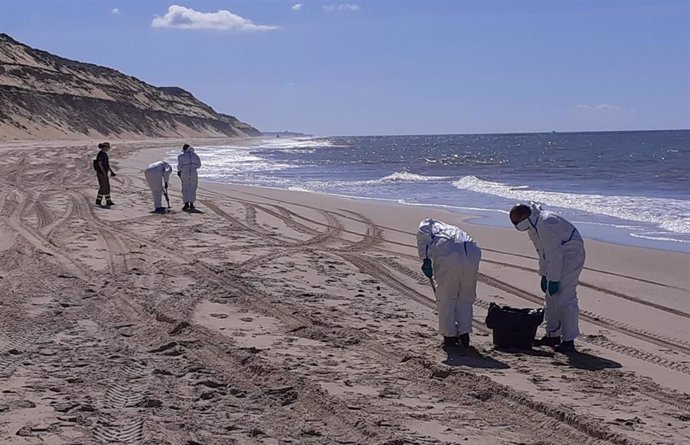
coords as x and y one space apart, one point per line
535 212
535 208
432 232
529 224
431 228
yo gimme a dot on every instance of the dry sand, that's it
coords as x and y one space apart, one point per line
279 317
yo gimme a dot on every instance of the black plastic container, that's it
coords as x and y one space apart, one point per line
512 327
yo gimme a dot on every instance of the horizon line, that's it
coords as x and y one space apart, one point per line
508 133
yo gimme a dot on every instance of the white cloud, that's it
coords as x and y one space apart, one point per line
297 7
600 107
115 11
186 18
341 7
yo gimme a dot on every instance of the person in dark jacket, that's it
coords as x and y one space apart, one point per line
102 167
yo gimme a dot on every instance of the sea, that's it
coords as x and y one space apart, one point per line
630 188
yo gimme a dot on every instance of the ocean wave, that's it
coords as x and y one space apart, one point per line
654 236
466 159
296 188
281 144
410 177
672 215
233 160
452 207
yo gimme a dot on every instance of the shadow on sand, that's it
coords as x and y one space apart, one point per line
470 357
579 360
583 360
518 352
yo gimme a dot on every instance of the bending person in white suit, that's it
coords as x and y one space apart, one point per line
158 176
451 257
561 259
188 163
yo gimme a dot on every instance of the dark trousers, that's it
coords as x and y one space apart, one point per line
103 186
103 183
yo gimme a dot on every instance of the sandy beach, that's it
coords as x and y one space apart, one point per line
276 317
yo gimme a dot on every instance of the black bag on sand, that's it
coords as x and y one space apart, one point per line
513 328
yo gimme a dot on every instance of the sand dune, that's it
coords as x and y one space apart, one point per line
47 97
284 317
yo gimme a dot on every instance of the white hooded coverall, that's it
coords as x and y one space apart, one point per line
188 163
561 258
158 174
455 261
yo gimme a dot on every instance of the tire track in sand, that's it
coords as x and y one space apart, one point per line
588 425
459 383
613 293
370 267
652 392
370 239
117 251
659 340
37 240
122 422
47 230
623 328
411 235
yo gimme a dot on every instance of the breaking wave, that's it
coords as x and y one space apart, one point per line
289 145
672 215
411 177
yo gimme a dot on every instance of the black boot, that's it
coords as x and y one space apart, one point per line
566 346
450 341
465 340
191 206
186 206
547 341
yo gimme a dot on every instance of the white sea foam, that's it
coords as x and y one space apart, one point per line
658 237
410 177
452 207
232 160
293 143
296 188
672 215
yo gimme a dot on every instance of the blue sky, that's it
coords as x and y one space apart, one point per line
391 66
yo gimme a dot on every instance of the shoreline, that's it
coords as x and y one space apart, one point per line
475 216
488 207
139 159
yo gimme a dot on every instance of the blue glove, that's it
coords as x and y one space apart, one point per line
427 269
544 283
553 287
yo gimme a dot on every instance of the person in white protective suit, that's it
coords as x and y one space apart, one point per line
561 259
451 257
188 163
158 176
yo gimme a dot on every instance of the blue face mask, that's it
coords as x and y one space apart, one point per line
523 225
